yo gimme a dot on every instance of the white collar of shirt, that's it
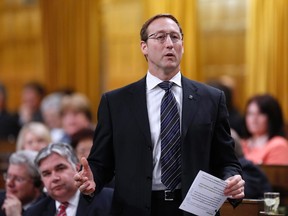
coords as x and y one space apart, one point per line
73 204
152 81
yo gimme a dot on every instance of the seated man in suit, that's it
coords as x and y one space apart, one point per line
57 165
23 185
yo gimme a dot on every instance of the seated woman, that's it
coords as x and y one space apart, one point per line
75 115
265 141
33 136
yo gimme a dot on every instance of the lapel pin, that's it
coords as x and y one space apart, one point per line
190 97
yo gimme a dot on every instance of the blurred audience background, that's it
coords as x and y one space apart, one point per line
45 52
265 140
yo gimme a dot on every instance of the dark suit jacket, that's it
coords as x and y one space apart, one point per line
97 206
122 143
3 196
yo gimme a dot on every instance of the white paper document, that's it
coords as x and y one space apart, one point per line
205 195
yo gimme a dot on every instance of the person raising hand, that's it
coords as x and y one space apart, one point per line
84 180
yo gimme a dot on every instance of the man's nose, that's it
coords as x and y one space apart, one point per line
168 41
55 176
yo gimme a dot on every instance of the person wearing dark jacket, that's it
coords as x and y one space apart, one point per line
57 164
23 185
155 154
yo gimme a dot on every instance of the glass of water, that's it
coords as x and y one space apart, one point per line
271 202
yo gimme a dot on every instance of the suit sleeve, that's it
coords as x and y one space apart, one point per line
224 160
101 158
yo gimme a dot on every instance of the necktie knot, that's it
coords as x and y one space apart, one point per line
62 209
166 85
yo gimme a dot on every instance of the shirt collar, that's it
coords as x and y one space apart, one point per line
152 81
73 201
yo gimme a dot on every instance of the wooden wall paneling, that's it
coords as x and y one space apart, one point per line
71 31
123 61
21 58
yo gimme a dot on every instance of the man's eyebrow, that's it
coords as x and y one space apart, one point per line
61 165
57 166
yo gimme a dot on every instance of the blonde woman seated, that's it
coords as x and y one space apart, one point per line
265 141
33 136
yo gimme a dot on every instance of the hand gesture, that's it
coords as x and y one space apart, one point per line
84 180
235 187
12 205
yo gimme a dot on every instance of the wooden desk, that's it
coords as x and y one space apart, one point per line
266 214
248 207
278 177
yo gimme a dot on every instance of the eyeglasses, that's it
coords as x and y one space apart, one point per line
161 37
17 179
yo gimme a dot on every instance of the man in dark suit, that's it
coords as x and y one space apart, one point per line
57 164
23 185
128 141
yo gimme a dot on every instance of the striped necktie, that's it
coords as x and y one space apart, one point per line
170 138
62 209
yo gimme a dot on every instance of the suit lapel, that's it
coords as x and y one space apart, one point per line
138 105
190 105
50 209
82 207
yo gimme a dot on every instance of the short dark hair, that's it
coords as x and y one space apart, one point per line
37 87
143 32
80 135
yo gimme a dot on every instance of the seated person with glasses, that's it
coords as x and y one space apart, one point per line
23 185
57 164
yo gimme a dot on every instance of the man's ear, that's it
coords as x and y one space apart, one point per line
143 45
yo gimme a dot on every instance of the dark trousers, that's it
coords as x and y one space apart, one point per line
162 207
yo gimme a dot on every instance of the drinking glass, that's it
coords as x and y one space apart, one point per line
271 202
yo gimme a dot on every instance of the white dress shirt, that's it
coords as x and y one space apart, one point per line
73 204
154 95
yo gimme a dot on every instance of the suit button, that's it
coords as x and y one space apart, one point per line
149 178
150 148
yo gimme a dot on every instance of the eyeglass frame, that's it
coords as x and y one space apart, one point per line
164 39
17 179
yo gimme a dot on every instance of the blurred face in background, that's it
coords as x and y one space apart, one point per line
19 183
73 121
83 148
52 118
33 142
256 122
30 99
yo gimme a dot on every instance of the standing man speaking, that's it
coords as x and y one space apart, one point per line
156 134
